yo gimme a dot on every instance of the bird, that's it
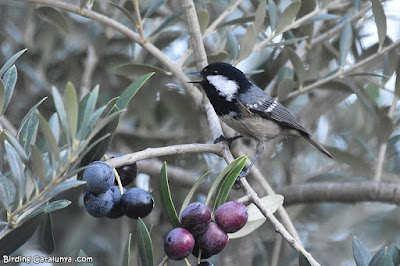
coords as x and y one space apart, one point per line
247 109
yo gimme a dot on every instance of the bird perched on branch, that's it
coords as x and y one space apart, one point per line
248 109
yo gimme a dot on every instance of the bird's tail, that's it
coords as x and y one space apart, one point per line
316 144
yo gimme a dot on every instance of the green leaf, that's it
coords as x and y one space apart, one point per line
53 17
297 65
346 40
228 181
397 82
260 15
28 128
285 86
380 21
127 251
249 227
107 128
255 217
17 146
49 137
17 169
167 22
320 17
303 261
270 202
110 123
46 234
272 14
64 186
10 62
377 259
144 243
155 6
165 197
130 91
213 192
126 12
204 19
7 193
28 132
247 43
82 254
360 253
394 253
86 109
288 15
130 69
9 81
71 106
53 206
2 94
18 236
62 113
54 124
387 260
38 164
191 192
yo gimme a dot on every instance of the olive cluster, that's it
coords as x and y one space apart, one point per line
200 233
103 198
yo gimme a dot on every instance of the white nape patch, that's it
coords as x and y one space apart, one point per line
271 107
225 87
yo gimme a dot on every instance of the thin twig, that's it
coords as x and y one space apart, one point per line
151 48
279 228
383 145
169 150
164 261
346 71
347 192
214 121
88 68
139 19
293 25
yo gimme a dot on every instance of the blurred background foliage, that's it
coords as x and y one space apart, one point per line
347 105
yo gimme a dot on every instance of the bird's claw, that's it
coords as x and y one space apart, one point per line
237 184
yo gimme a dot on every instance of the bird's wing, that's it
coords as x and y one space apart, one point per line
260 103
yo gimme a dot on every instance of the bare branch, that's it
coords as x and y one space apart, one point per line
347 192
162 151
345 72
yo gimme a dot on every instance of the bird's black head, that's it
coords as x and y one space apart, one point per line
222 82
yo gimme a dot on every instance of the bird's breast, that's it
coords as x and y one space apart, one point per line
253 127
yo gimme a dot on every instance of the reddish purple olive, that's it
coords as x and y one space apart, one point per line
195 218
231 216
213 240
178 244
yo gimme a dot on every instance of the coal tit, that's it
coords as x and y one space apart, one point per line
248 109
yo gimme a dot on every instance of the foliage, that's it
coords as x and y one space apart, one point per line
44 156
333 63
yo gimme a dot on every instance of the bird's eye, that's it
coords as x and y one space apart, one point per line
214 72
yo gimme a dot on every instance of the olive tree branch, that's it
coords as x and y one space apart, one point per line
211 28
383 146
198 47
347 192
157 53
293 25
343 73
169 150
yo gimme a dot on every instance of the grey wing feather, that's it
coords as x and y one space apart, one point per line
260 103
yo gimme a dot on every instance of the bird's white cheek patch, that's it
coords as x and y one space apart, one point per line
225 87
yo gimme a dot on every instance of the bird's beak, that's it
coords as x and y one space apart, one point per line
195 74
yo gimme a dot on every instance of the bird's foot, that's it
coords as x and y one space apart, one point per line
237 184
